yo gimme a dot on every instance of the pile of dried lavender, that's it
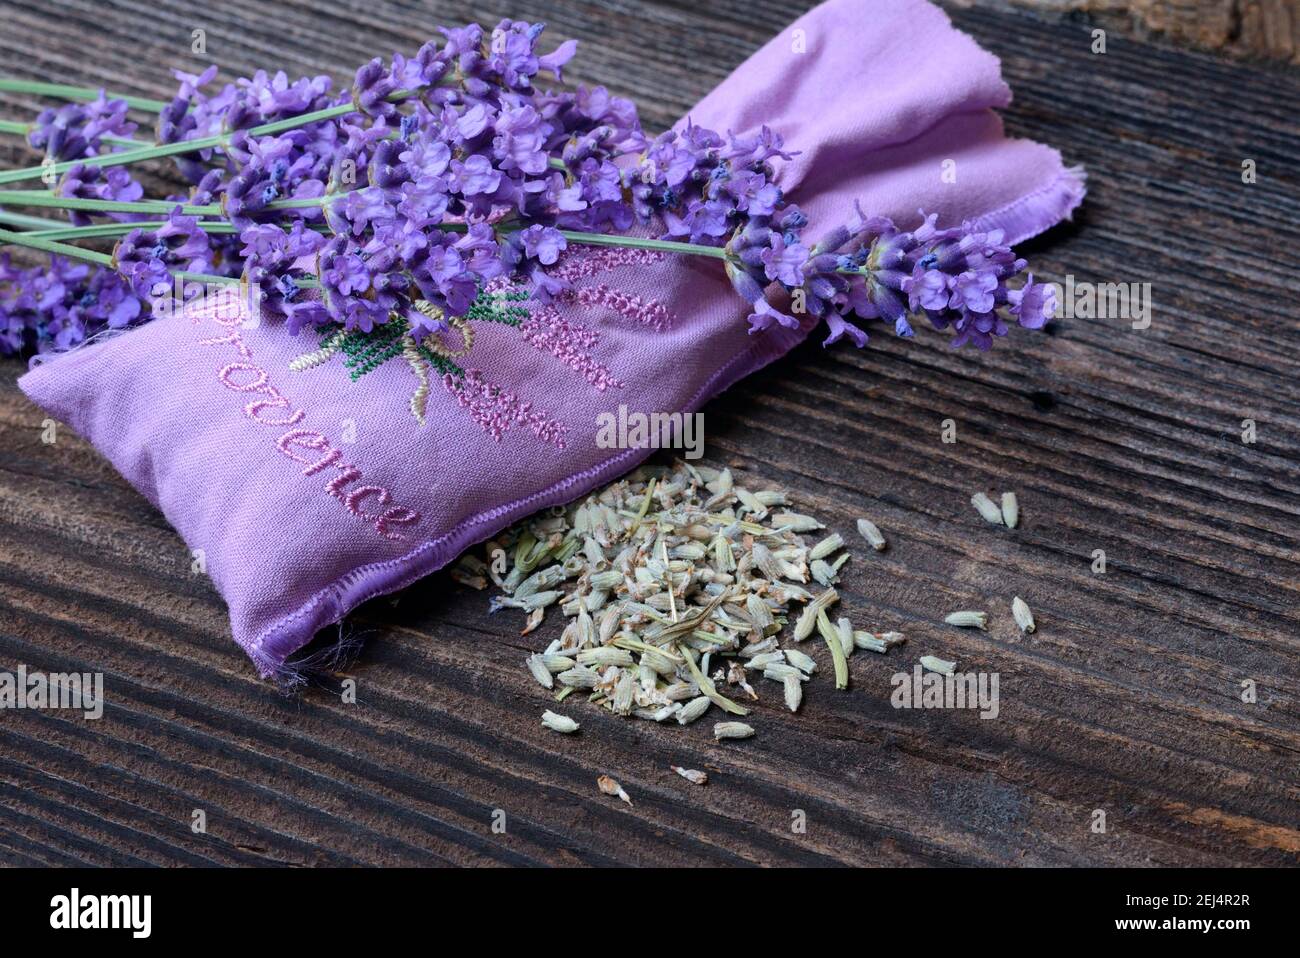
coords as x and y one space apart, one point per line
675 581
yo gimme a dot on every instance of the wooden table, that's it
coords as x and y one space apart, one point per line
1128 700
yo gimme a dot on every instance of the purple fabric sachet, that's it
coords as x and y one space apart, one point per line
317 473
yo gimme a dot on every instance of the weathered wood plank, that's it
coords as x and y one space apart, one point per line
1127 699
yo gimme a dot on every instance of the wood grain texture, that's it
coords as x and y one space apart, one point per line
1126 700
1247 28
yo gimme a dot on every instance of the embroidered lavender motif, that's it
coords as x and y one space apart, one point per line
569 341
496 410
603 259
567 338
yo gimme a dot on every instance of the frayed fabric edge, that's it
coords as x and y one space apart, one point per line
294 675
1041 210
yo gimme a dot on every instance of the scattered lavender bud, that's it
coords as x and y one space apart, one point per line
537 665
823 573
871 533
732 730
987 508
793 693
845 628
1022 614
603 656
579 677
968 620
808 618
779 672
608 786
691 775
794 522
693 710
828 545
941 666
801 661
1010 510
764 660
559 723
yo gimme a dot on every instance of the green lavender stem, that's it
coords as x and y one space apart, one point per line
40 198
639 242
97 230
185 146
46 199
50 246
49 229
64 92
31 222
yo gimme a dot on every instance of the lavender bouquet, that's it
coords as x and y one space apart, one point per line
407 196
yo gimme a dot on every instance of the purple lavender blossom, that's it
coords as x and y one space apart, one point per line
54 307
147 258
872 270
74 131
100 183
451 168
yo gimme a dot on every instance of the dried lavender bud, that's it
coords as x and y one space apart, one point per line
987 508
537 666
881 642
731 730
801 661
794 522
693 710
968 619
823 573
608 786
793 693
1023 616
779 672
824 548
579 677
1010 510
766 562
605 656
941 666
871 533
559 723
808 619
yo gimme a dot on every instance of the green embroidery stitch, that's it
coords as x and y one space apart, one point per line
500 307
363 352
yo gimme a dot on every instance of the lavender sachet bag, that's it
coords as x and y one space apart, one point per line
318 470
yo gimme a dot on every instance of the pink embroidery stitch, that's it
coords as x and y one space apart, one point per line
570 341
653 314
255 386
234 339
304 438
254 408
496 410
309 440
602 259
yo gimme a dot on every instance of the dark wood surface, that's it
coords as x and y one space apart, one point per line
1127 699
